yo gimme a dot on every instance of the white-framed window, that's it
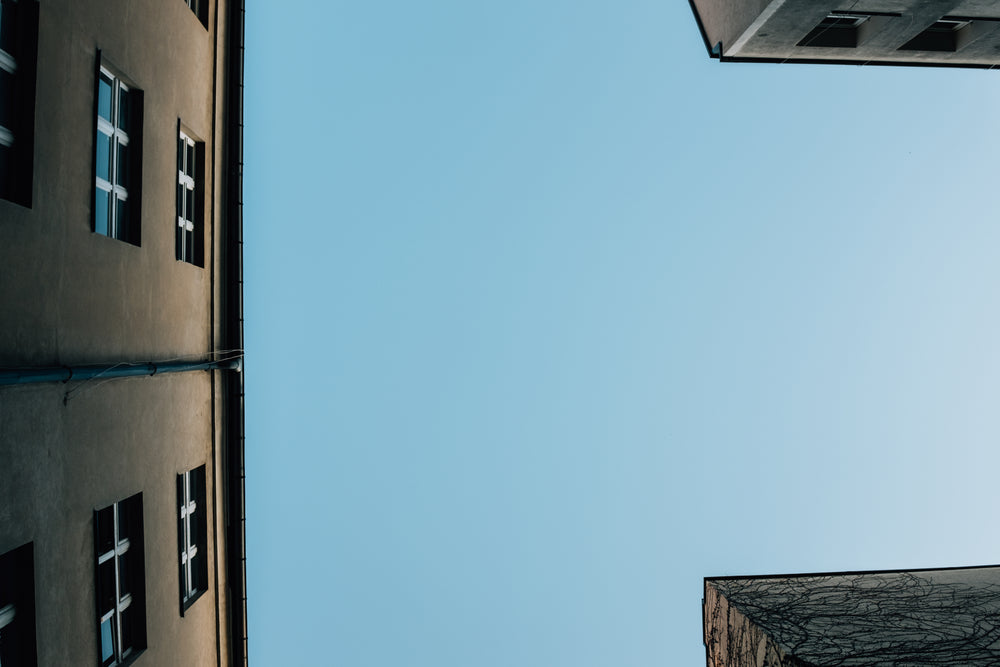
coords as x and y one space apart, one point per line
18 58
188 199
7 614
17 608
200 9
8 72
121 610
192 535
946 34
836 30
117 158
111 157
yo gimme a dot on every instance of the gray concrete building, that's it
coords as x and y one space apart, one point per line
949 33
121 384
941 617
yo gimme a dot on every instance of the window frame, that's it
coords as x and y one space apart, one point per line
190 215
17 607
121 188
192 536
200 9
19 21
846 29
948 34
128 593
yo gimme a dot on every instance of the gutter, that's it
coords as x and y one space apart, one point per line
10 376
232 334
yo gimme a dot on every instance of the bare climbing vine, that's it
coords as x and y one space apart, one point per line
877 620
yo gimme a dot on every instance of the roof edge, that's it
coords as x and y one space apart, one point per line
802 575
714 51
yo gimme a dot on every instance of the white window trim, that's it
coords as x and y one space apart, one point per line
189 549
185 180
7 614
857 18
115 136
949 25
8 63
120 548
7 60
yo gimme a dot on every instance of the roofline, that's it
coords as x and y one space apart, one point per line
235 439
800 575
847 61
716 51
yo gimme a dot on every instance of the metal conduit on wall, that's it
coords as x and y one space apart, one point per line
9 376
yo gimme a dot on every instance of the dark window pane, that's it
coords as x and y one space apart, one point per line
188 246
104 98
102 158
129 511
105 517
180 255
107 642
123 109
190 160
189 204
122 232
101 212
127 640
125 573
123 165
197 582
180 154
6 651
6 99
106 596
8 30
123 520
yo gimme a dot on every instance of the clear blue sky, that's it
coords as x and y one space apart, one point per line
549 316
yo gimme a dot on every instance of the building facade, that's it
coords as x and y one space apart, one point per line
953 33
943 617
121 384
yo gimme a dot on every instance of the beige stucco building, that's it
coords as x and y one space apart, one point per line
949 33
121 384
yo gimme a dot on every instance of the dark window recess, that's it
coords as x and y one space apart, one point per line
200 9
847 29
944 35
837 30
18 56
17 608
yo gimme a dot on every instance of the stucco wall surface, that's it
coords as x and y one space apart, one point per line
104 444
69 295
